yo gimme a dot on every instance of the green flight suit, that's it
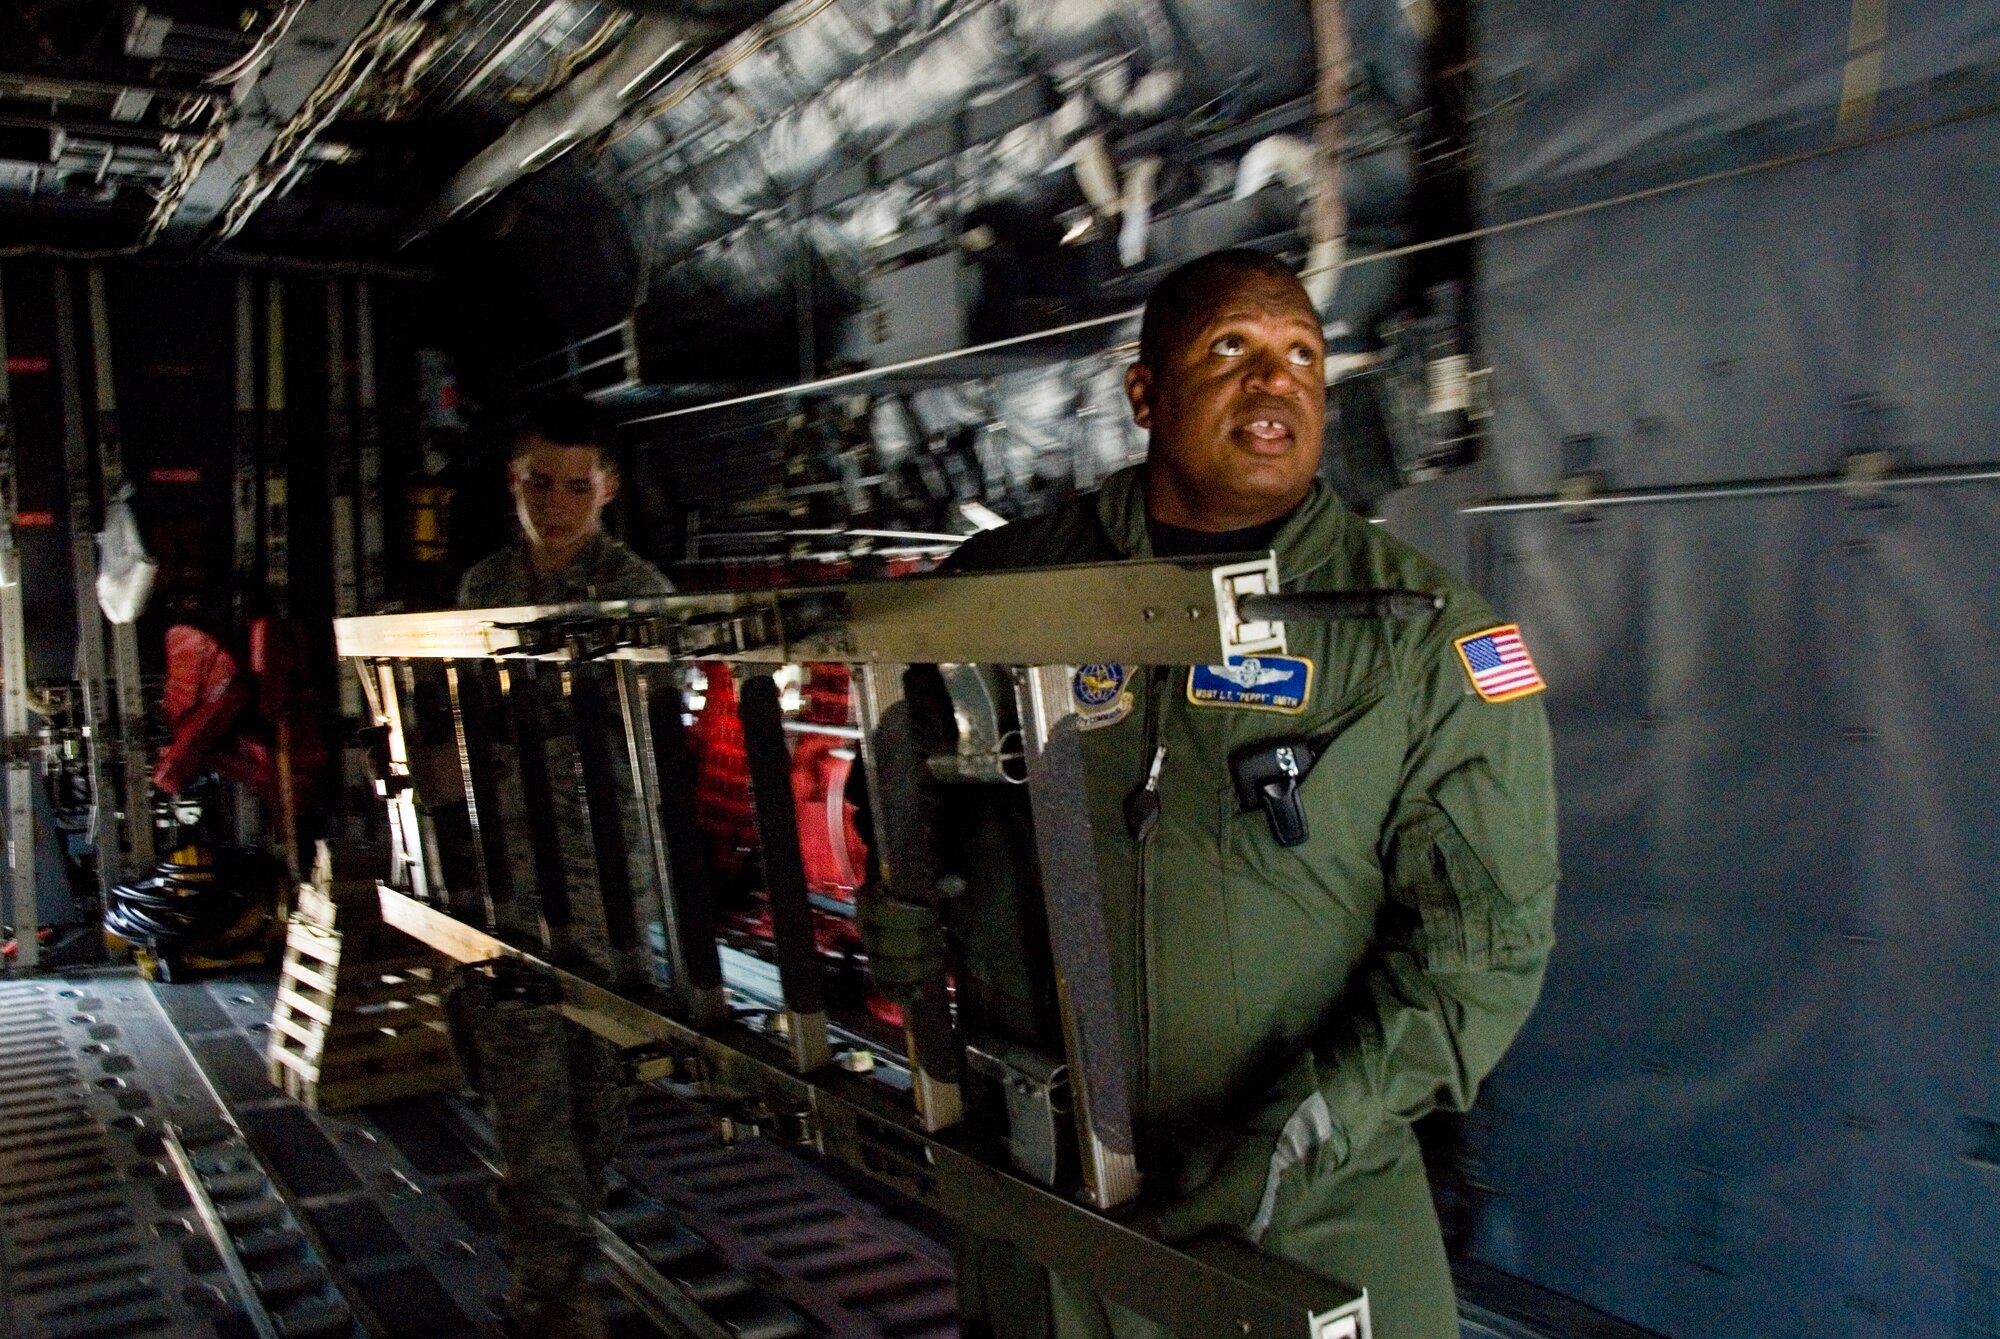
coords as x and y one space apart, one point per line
1289 1011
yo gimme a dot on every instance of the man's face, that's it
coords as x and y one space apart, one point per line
559 494
1236 408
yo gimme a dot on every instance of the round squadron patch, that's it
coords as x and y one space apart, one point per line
1100 694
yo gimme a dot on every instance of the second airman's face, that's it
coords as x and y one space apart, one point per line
559 494
1236 410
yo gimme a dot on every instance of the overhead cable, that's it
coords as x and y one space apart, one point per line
888 369
394 30
266 43
1854 484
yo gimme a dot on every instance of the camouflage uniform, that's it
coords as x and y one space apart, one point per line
558 1106
605 570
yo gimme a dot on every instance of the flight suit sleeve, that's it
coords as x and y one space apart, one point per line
1468 853
1469 858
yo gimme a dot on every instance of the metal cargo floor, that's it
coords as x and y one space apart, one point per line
122 1184
723 1242
380 1223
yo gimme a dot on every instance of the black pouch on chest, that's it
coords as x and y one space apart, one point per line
1267 775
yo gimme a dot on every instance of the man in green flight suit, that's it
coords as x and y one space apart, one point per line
1290 1000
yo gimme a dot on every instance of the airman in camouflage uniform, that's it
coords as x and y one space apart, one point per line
558 1104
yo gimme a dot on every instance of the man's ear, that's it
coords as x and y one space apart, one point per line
609 487
1139 393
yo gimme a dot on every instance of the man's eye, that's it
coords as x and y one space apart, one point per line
1229 346
1302 356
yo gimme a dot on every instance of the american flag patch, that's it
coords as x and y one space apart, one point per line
1498 664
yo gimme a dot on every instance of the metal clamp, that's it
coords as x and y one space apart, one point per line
791 1124
652 1061
985 752
1036 1091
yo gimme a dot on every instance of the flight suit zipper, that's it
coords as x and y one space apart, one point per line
1156 679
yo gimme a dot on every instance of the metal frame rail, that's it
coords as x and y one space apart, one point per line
1214 1288
218 1233
1863 476
775 1072
136 767
90 650
23 908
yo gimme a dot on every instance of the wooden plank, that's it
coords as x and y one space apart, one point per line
323 945
295 970
322 997
403 964
311 907
310 1008
303 1066
402 1020
310 1036
360 993
378 1004
415 1045
380 1088
454 939
381 996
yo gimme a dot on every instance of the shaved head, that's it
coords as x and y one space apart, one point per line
1230 388
1190 292
564 420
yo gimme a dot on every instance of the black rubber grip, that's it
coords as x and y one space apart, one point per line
770 764
687 868
1322 606
595 726
479 713
537 801
1077 935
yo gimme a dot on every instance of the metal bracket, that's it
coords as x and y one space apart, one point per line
654 1061
1036 1091
1242 636
983 748
793 1124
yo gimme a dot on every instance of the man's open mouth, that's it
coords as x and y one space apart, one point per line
1267 433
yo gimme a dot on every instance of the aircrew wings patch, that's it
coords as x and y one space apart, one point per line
1498 664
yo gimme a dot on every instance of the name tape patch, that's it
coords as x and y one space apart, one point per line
1498 664
1255 683
1101 695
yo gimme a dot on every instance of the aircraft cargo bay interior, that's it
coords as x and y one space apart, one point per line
999 669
